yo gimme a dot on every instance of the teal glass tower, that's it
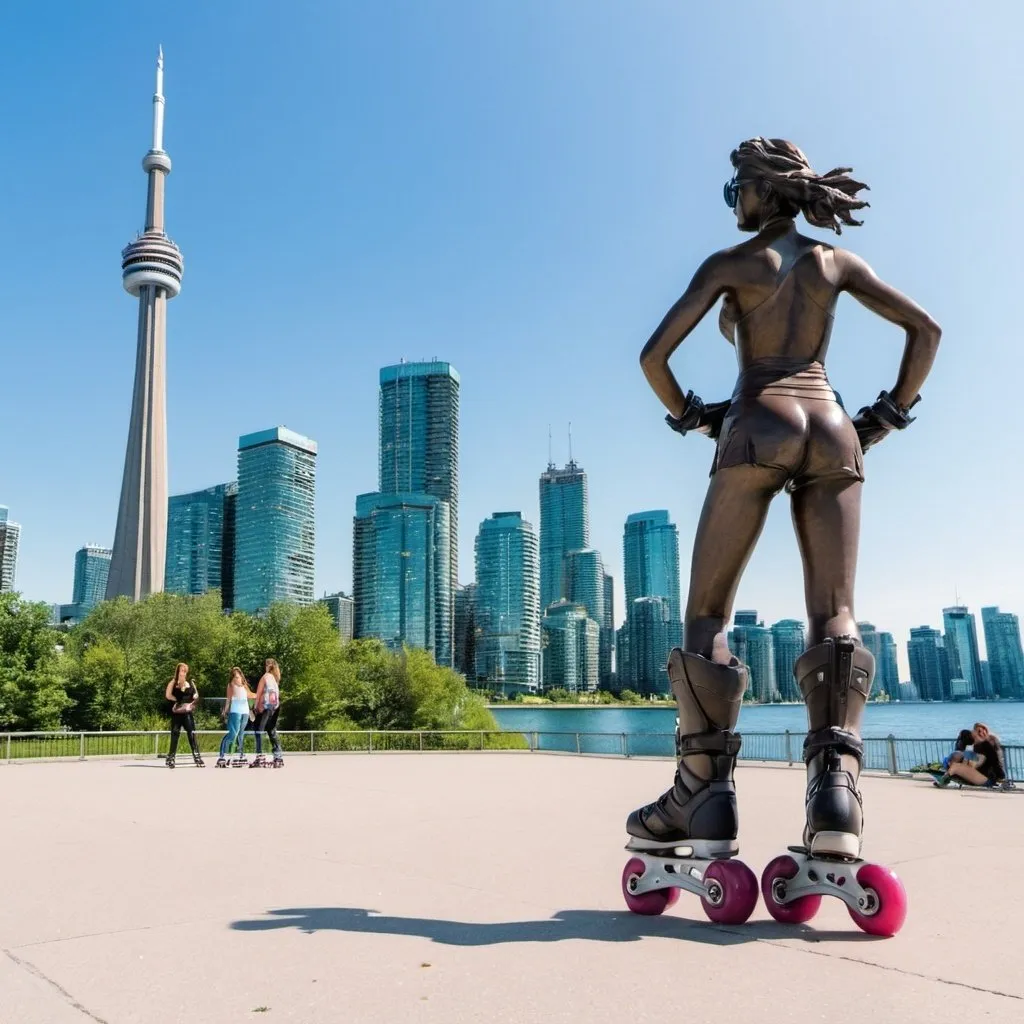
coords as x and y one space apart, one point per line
651 556
564 527
418 413
961 642
507 604
274 519
929 667
650 570
883 647
200 535
789 642
648 636
401 562
754 645
92 564
1005 657
607 638
571 648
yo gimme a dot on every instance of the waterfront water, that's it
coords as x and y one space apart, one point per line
904 721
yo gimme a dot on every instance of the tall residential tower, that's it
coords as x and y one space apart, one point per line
274 519
151 269
10 534
507 604
564 527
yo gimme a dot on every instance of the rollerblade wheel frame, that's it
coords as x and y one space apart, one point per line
732 892
650 904
886 907
773 889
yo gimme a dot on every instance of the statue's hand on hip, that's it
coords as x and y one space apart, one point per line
877 421
704 419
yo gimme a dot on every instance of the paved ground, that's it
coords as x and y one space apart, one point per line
468 887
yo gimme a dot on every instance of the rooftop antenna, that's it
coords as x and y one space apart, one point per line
570 443
551 463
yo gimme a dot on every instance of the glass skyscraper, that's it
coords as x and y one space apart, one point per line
889 668
274 519
650 571
872 640
789 642
564 527
92 564
754 645
199 527
419 439
649 636
342 611
507 604
1005 657
464 642
10 534
651 559
607 638
929 668
571 648
961 642
401 563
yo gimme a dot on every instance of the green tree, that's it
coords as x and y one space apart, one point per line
32 694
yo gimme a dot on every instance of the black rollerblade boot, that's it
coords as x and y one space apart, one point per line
259 762
169 760
222 763
835 679
686 837
278 761
196 756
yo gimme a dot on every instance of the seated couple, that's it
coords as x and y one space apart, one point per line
982 765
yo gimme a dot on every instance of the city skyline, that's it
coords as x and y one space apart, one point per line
580 310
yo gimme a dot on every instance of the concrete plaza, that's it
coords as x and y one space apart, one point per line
469 887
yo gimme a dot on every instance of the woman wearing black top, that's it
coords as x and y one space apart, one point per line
989 768
184 697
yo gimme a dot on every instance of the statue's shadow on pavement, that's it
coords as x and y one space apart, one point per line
596 925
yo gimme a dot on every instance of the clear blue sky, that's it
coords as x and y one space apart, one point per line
521 188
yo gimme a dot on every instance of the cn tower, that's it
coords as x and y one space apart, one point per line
151 269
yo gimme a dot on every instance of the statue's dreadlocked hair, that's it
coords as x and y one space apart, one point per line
823 199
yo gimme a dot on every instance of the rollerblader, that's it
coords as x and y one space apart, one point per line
268 706
235 713
783 428
184 697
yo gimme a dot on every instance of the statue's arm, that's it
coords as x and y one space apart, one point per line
707 286
923 333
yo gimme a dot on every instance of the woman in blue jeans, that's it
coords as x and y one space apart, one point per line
236 714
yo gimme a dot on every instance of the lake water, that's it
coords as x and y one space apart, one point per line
904 721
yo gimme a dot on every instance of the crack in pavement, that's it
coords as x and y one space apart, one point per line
64 993
885 967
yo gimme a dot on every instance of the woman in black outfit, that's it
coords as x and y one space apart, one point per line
184 697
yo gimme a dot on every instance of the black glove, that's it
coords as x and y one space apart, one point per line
705 419
874 422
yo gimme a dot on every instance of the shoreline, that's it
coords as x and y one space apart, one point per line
668 703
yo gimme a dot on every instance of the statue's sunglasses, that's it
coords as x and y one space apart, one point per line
732 190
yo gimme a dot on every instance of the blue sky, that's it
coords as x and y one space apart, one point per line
521 188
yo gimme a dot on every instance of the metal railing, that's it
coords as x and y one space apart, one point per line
882 754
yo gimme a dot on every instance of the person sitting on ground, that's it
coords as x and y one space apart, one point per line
988 770
961 751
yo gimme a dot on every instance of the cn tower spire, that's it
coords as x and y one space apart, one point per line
158 104
151 271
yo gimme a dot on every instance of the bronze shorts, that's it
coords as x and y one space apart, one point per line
794 425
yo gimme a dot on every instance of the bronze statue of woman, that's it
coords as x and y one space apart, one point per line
784 427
